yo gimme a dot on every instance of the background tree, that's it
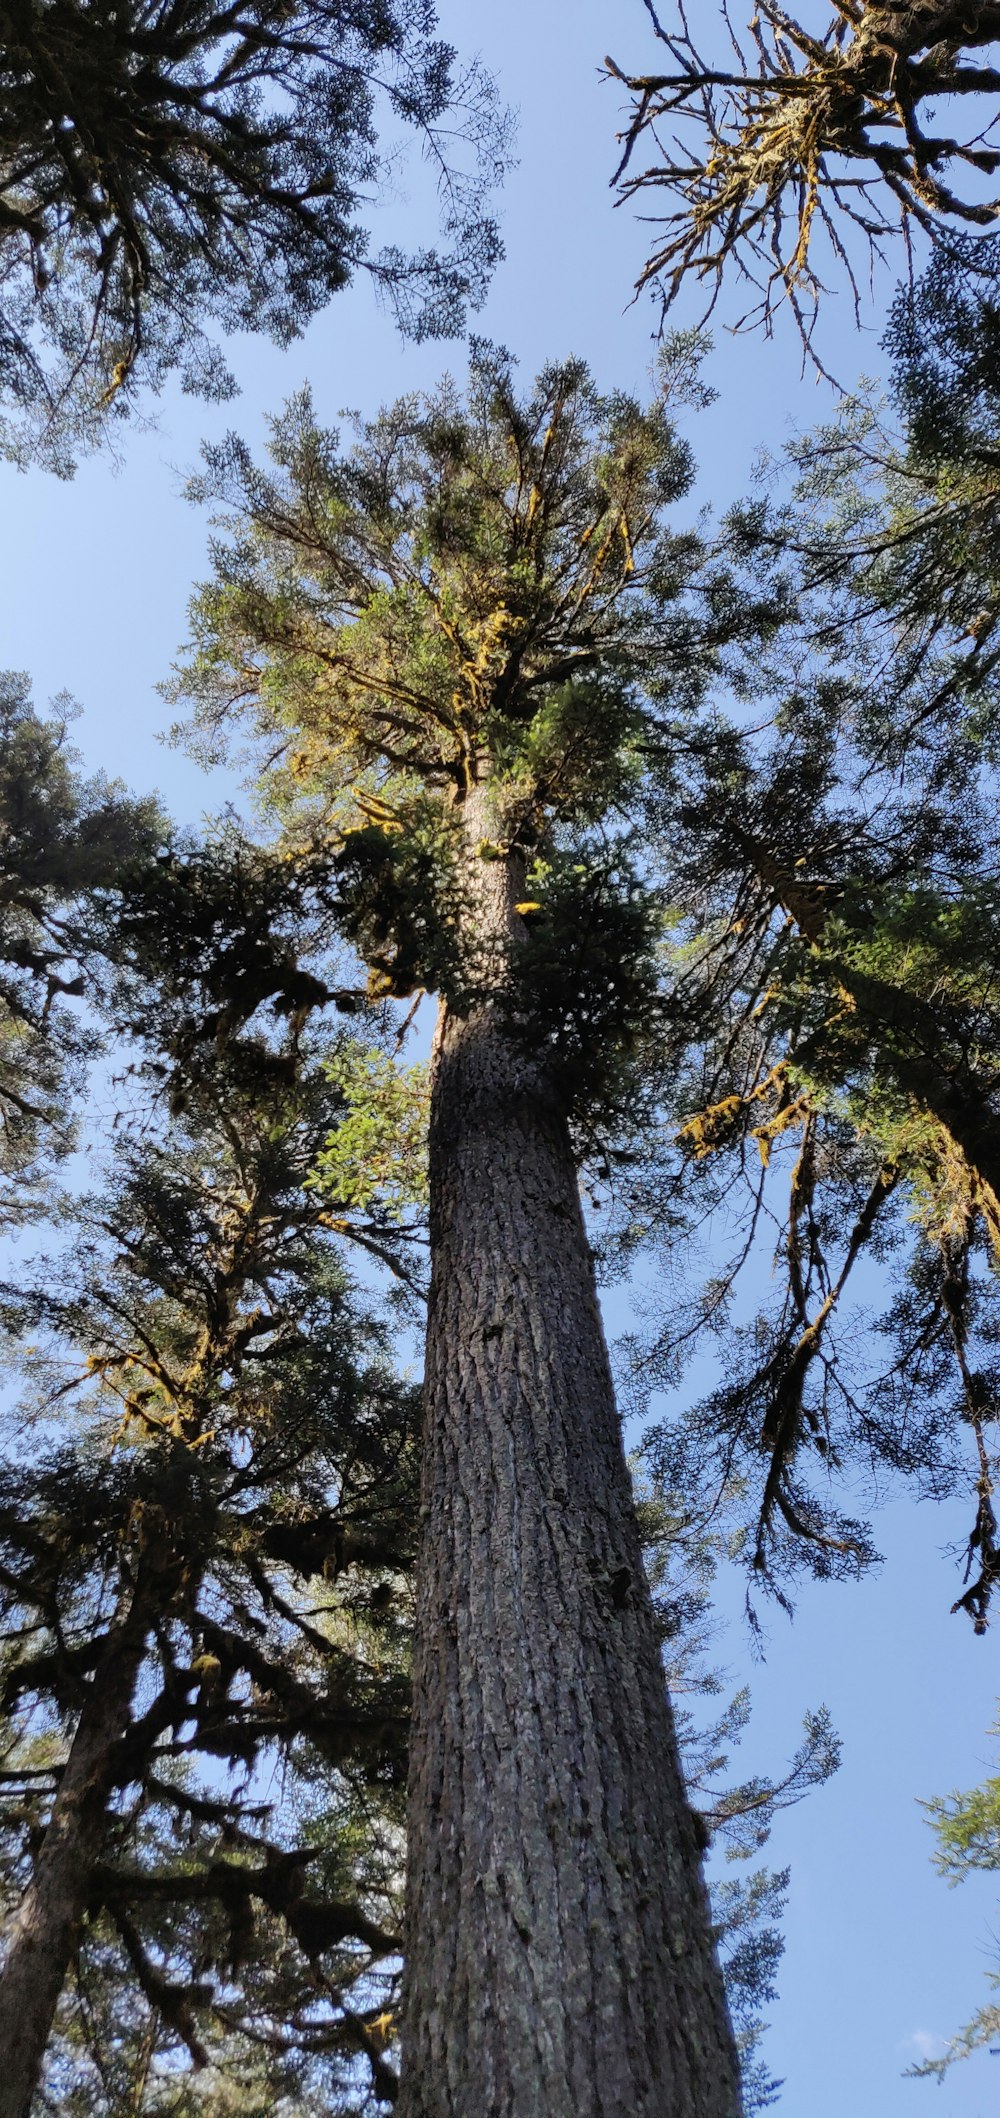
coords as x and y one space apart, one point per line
165 167
848 1083
213 1571
70 850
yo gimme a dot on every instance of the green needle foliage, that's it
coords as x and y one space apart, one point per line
897 505
69 852
163 168
378 1151
967 1829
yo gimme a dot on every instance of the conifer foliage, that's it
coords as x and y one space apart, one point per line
702 957
478 603
849 857
966 1826
69 850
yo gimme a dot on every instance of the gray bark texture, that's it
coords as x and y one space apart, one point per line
45 1929
560 1961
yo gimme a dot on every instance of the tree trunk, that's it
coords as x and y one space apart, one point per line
46 1926
560 1961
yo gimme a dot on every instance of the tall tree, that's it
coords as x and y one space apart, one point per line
444 633
229 1579
162 167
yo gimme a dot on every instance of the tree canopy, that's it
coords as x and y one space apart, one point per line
166 167
479 585
69 849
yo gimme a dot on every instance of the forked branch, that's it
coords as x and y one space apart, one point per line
800 131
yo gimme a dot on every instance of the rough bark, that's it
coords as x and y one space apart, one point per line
45 1928
559 1954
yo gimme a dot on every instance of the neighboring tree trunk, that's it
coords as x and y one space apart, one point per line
45 1928
560 1961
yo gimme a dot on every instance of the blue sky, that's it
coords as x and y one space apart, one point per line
882 1958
